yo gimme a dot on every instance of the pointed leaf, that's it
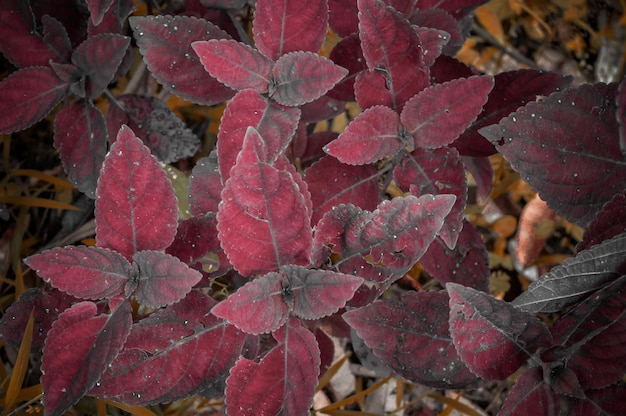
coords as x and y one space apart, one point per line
79 347
165 43
136 208
373 135
278 26
283 382
205 185
610 222
263 219
56 37
83 272
492 337
577 277
481 170
173 353
608 401
234 64
410 334
115 18
97 9
301 77
446 28
28 95
439 114
531 396
80 137
564 146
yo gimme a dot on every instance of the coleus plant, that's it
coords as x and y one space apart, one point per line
306 226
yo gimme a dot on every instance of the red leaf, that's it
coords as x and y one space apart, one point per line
98 58
333 183
278 26
171 60
608 401
564 146
173 353
447 27
97 9
80 137
347 54
621 115
114 19
481 170
321 109
491 336
28 95
136 208
373 135
301 77
275 123
371 89
235 64
343 17
439 114
610 222
163 279
282 383
55 35
83 272
263 219
410 334
79 347
205 185
433 41
531 396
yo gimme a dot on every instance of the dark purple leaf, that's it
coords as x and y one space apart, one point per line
491 336
55 36
327 350
173 353
263 219
621 115
321 109
83 272
136 208
436 172
28 95
205 185
531 396
610 222
433 42
481 170
98 58
366 356
278 26
333 183
410 334
98 8
576 277
562 380
165 43
224 4
373 135
447 69
79 347
114 20
457 8
436 116
275 123
564 146
80 137
309 148
235 64
162 279
437 18
283 382
511 90
347 54
302 77
466 264
343 17
608 401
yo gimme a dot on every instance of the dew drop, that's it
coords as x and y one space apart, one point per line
514 119
559 101
175 28
140 33
575 174
533 115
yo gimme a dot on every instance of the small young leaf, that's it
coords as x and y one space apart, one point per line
492 337
28 95
235 64
448 31
83 272
531 395
136 208
97 9
373 135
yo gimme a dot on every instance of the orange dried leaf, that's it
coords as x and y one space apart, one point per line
490 21
21 365
529 242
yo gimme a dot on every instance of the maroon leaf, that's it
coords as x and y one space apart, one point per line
410 334
205 185
275 123
447 27
433 42
333 183
531 396
165 43
97 9
278 26
564 146
80 137
608 401
224 4
610 222
343 17
347 54
492 337
447 68
56 37
136 208
115 18
373 135
98 58
576 277
283 382
28 95
457 8
621 115
436 172
263 219
371 89
83 272
235 64
301 77
173 353
438 115
321 109
78 349
481 170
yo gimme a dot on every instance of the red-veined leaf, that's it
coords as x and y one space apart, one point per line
28 95
97 9
205 185
410 334
278 26
491 336
136 208
531 395
610 222
235 64
165 43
